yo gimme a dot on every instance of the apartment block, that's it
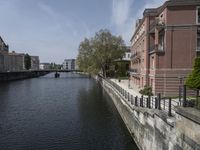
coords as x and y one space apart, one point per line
69 64
164 45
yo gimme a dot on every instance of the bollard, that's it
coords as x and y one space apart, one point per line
159 100
170 107
136 101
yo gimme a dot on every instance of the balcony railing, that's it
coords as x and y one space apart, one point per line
136 55
156 23
198 49
134 72
156 48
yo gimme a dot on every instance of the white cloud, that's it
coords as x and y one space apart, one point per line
120 11
47 9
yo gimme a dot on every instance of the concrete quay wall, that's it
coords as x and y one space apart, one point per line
11 76
152 129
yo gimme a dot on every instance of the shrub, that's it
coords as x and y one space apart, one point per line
147 90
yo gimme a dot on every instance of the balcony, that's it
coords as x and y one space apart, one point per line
198 49
157 23
134 72
157 48
136 56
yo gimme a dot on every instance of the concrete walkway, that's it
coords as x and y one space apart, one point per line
125 85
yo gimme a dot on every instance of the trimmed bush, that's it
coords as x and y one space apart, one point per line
146 91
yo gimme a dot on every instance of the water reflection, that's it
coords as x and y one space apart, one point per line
66 113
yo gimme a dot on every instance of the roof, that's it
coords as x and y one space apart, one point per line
158 10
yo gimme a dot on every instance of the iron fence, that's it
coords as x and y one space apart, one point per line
151 102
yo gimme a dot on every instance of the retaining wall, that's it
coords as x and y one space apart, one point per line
152 129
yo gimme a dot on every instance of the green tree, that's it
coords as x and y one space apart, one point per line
146 91
99 53
193 80
27 61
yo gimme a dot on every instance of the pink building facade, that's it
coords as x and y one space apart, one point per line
165 43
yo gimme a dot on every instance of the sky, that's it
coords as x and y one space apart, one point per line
53 29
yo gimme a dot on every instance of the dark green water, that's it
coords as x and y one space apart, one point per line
68 113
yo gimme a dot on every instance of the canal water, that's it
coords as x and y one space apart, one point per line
68 113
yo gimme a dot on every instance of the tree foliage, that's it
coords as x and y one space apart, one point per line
193 80
146 91
27 61
99 52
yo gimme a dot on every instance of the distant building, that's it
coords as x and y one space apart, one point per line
35 63
69 64
121 66
127 56
3 46
14 61
45 66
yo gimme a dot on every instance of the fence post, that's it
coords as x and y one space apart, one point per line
180 94
136 99
156 102
141 101
131 99
197 99
149 103
159 101
164 103
170 107
184 95
128 97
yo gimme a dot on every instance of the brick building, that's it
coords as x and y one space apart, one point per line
165 42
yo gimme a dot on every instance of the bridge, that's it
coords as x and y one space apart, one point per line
18 75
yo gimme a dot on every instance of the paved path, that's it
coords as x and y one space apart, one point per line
125 85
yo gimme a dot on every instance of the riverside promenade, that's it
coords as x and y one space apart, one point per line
134 91
126 85
154 122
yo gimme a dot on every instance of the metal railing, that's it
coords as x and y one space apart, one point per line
151 102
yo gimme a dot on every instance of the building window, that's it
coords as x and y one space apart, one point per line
198 40
198 15
161 41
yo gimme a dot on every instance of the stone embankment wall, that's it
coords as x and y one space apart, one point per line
10 76
152 129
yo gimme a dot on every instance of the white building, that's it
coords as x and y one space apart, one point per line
45 66
69 64
127 56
